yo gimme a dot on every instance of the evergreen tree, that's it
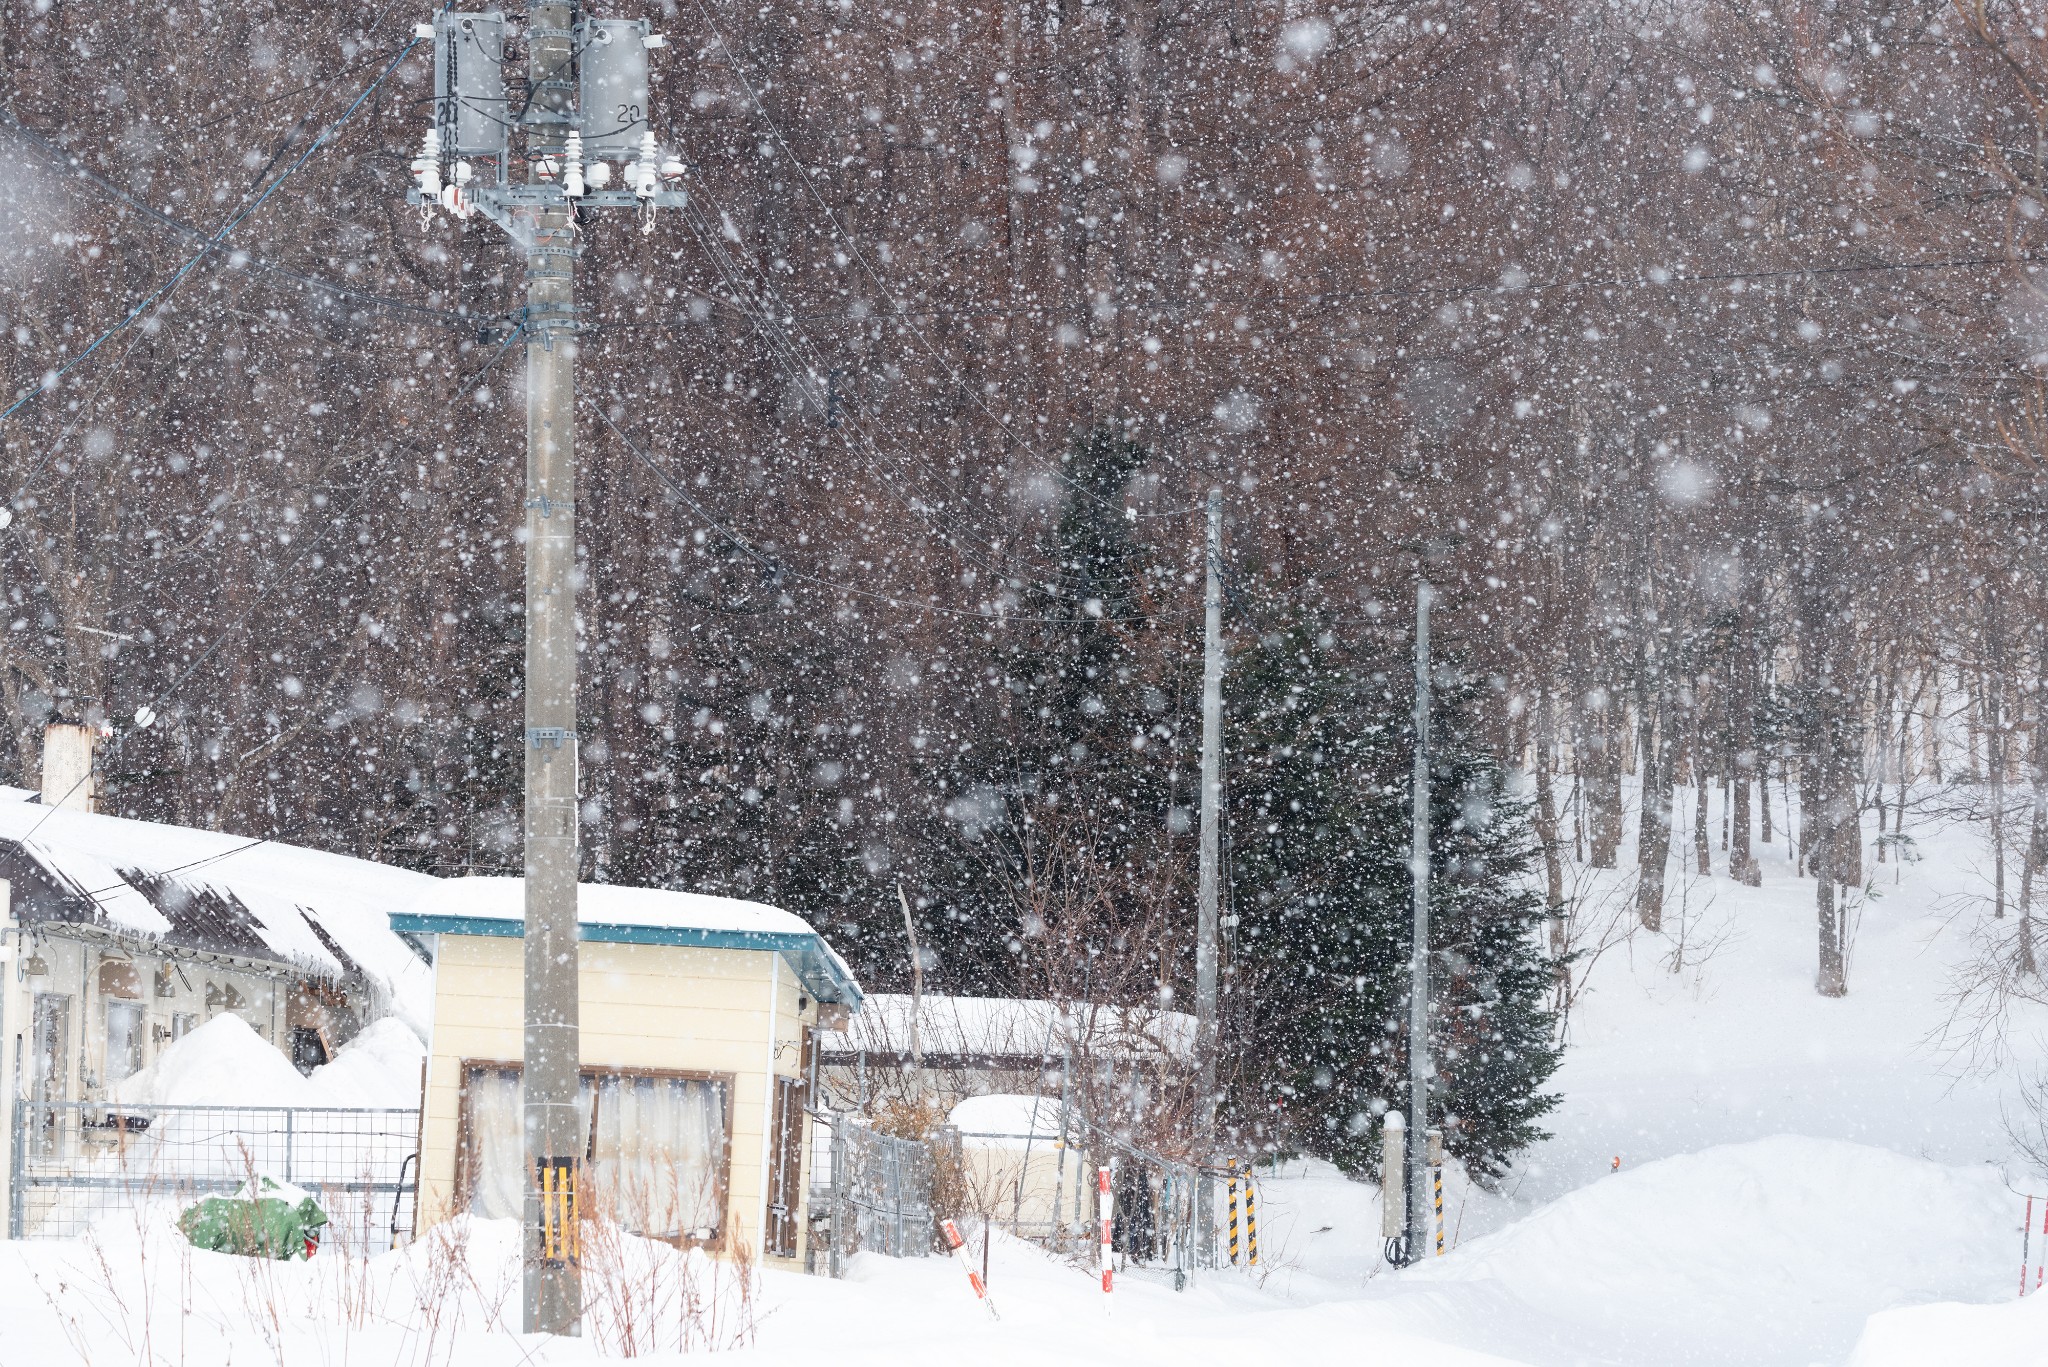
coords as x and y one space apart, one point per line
1070 774
1321 750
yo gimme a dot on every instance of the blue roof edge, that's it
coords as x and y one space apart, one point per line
805 952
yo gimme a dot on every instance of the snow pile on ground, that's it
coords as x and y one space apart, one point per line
380 1067
221 1063
450 1299
2014 1334
226 1063
1774 1251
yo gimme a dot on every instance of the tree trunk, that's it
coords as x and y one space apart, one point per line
1603 783
1993 679
1832 979
1763 798
1702 836
2037 829
1887 692
1546 820
1742 866
1653 835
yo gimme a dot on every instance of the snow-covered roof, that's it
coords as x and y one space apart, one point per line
324 914
1007 1120
1009 1031
611 912
504 899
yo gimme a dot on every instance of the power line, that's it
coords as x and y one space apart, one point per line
1444 291
854 250
782 344
73 165
306 547
163 291
779 569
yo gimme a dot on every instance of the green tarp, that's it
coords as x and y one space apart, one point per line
265 1219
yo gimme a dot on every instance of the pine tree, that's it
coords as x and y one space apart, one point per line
1075 756
1318 810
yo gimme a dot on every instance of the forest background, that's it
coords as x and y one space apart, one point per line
1694 351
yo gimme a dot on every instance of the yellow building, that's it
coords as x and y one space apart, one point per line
698 1026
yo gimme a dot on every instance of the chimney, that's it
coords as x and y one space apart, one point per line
68 779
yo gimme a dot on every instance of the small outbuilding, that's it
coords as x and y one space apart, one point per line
699 1017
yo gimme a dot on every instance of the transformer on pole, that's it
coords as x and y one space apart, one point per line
578 100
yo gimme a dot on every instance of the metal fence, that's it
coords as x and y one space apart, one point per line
876 1196
74 1164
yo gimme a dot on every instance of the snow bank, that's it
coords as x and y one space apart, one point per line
2014 1334
226 1063
379 1067
222 1063
1774 1251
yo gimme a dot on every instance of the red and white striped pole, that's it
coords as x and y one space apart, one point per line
958 1246
2041 1267
1106 1203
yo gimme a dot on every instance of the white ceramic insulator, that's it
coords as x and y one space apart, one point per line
572 160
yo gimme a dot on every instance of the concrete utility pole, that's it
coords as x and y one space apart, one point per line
583 104
1419 1070
1210 881
553 1291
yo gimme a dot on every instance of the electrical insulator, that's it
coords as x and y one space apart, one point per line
649 165
426 167
572 166
598 174
672 172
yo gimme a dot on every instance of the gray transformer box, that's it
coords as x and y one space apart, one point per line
614 86
471 110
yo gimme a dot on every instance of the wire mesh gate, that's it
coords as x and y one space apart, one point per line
877 1195
72 1164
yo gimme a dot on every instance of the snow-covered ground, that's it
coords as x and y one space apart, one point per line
1802 1181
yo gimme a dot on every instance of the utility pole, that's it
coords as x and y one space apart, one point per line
1209 883
1419 1070
584 99
553 1286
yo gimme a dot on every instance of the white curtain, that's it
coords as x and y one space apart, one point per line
497 1151
659 1160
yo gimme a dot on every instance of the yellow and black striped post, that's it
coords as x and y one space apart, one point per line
1251 1219
1436 1184
1436 1178
1233 1210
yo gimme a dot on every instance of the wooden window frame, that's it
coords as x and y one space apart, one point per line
465 1161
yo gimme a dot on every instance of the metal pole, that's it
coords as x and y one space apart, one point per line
552 1282
1418 970
1210 879
17 1153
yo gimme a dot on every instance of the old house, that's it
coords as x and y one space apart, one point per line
118 937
